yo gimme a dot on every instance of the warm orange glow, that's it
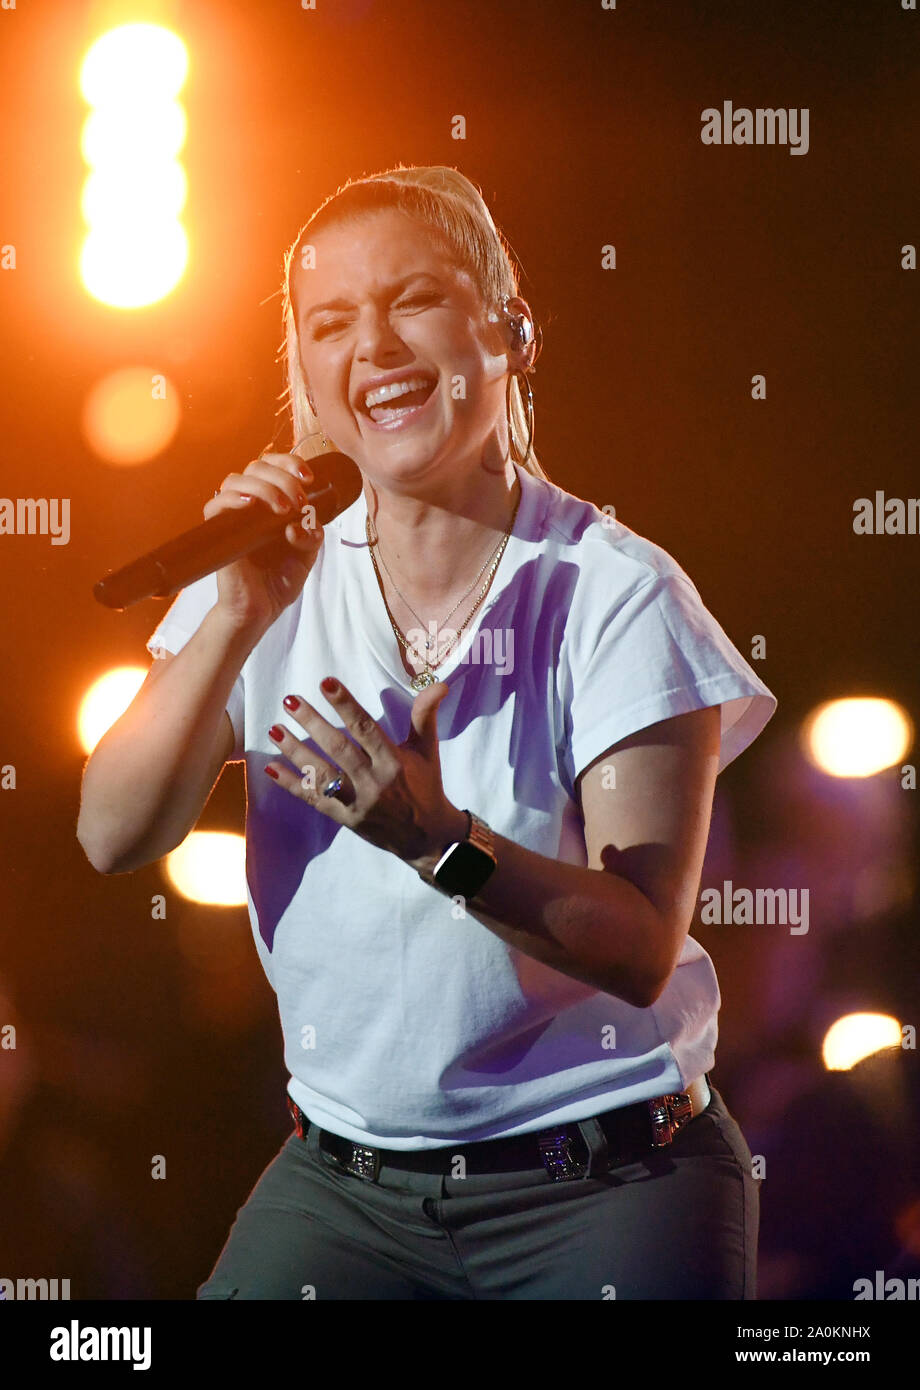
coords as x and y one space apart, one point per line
131 415
156 194
106 701
857 737
133 64
138 138
132 270
209 867
856 1036
136 250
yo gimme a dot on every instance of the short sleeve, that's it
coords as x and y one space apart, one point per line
181 620
654 654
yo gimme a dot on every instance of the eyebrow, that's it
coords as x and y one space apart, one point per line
396 288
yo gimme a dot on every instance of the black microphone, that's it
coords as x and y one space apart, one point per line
254 529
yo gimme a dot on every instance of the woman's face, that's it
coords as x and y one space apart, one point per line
406 372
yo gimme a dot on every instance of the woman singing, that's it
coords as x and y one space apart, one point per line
482 723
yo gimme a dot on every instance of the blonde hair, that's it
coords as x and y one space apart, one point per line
454 209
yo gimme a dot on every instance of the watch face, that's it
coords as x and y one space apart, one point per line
464 870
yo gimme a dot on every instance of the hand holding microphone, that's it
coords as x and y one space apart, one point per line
256 588
253 536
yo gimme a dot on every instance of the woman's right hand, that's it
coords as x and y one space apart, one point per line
253 594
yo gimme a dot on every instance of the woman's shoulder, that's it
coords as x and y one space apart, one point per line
603 547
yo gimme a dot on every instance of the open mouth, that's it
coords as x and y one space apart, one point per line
398 400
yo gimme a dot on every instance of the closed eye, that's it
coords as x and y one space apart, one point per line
417 299
322 330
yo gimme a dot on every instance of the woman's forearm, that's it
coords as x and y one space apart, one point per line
149 777
592 925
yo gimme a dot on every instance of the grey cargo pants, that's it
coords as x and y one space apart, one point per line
680 1223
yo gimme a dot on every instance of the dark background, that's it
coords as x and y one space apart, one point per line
139 1037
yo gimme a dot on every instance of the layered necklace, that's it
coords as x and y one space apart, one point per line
427 676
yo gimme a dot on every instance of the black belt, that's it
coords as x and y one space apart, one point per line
629 1132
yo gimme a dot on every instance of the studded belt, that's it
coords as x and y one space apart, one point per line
622 1135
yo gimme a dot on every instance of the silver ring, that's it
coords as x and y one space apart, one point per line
333 787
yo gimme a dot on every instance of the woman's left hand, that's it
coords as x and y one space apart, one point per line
391 795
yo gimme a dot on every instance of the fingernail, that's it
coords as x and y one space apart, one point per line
271 772
329 685
305 472
276 733
291 702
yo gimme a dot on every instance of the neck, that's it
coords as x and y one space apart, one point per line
433 546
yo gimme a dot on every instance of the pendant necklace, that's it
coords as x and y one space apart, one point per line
427 676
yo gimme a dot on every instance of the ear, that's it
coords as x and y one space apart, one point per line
521 331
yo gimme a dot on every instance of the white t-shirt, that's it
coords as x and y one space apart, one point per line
406 1025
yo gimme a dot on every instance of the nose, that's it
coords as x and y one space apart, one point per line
377 339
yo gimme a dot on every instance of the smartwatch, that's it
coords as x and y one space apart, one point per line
465 866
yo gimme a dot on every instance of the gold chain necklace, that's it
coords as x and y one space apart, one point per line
438 626
427 677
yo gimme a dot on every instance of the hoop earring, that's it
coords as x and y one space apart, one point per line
312 405
528 397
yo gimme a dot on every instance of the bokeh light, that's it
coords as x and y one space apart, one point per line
130 269
156 133
145 194
131 415
133 64
856 1036
209 867
136 249
106 701
857 737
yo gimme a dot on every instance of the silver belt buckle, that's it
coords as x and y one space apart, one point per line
364 1163
555 1150
667 1114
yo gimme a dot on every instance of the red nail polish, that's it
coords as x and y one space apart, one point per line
271 772
330 685
291 702
276 733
